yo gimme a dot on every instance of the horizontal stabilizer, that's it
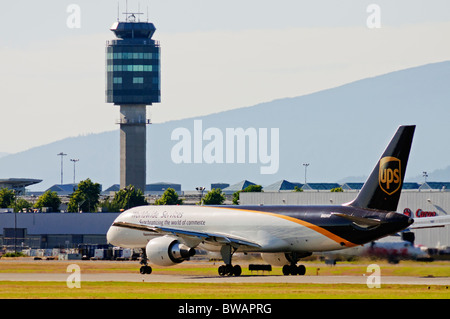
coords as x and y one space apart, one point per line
360 221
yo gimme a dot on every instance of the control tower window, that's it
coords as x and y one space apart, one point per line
132 55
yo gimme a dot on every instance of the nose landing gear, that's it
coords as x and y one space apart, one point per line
145 268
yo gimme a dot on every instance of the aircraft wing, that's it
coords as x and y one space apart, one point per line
211 238
430 222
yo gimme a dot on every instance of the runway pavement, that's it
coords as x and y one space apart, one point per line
129 277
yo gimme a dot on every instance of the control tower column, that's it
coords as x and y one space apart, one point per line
132 145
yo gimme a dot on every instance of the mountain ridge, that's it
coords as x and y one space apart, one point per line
340 131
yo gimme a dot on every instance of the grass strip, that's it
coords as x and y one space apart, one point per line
133 290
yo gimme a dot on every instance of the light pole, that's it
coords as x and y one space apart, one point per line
425 175
306 166
200 189
62 156
74 162
15 224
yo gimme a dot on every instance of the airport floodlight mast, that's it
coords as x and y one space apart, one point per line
425 175
306 167
62 154
133 82
74 162
200 190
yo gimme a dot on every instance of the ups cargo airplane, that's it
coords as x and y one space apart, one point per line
168 235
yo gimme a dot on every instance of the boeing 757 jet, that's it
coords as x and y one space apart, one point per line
283 234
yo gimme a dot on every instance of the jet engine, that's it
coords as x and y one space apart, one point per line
167 251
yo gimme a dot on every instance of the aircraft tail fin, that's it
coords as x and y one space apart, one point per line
383 187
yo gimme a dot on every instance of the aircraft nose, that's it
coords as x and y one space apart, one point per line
111 236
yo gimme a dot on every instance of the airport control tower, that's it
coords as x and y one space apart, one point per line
133 82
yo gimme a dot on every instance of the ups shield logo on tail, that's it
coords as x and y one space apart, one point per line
389 176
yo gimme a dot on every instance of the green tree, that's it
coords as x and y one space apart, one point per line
85 198
298 189
126 198
49 199
337 190
248 189
253 189
21 204
214 197
170 197
7 197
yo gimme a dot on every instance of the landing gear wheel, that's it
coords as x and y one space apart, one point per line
222 271
145 270
226 270
294 270
301 270
286 270
229 270
237 270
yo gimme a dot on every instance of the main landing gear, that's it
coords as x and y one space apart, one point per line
293 269
227 252
229 270
145 268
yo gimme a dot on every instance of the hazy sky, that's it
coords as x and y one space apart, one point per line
215 56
